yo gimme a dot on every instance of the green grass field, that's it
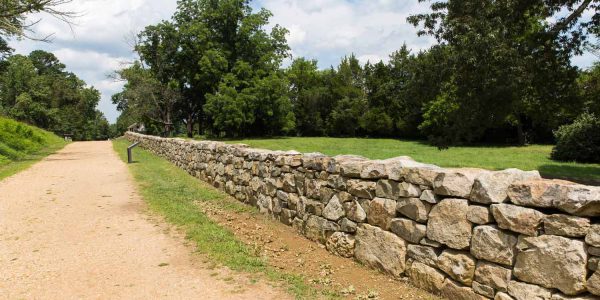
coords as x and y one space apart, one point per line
534 157
174 194
22 145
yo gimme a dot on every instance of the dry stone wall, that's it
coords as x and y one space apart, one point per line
459 233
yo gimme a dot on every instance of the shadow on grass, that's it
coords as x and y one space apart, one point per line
581 174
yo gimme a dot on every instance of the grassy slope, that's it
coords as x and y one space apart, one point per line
535 157
173 193
22 145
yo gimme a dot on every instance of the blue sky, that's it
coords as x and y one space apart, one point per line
323 29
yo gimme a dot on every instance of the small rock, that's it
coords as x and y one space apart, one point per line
408 229
423 254
355 212
348 226
566 225
524 291
459 265
408 190
429 196
362 189
593 236
494 245
341 244
593 263
503 296
480 215
492 275
483 289
334 210
593 284
455 183
387 189
414 208
381 212
431 243
453 290
425 277
518 219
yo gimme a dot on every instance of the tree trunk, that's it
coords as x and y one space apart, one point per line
190 127
521 134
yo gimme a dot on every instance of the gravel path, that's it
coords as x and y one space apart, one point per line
73 227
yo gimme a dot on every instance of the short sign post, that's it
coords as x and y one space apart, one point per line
129 156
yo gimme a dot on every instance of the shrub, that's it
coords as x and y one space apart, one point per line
579 141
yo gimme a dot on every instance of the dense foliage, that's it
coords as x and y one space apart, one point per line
579 141
501 72
37 89
17 140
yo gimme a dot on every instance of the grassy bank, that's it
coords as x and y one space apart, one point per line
534 157
174 194
22 145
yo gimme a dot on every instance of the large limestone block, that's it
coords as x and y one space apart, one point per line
425 277
581 200
381 212
380 249
492 275
491 187
593 236
493 244
414 208
334 209
341 244
355 212
448 223
459 265
518 219
453 290
566 225
373 169
456 182
538 193
552 262
350 165
408 229
362 189
524 291
423 254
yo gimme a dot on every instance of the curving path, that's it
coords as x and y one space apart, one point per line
73 227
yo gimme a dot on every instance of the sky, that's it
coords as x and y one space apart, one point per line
326 30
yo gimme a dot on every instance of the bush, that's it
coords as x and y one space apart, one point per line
579 141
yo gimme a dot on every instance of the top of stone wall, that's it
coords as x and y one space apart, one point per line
523 188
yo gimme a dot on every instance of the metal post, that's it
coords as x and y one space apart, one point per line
129 156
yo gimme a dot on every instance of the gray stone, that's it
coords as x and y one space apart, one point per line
334 210
455 183
524 291
518 219
483 290
408 190
559 296
355 212
431 243
594 251
593 263
374 169
593 283
581 200
494 245
414 208
552 262
480 215
350 165
492 275
381 212
313 207
380 249
425 277
453 290
319 229
408 230
566 225
503 296
459 265
593 236
362 189
348 226
491 187
429 196
387 189
538 193
448 223
423 254
345 197
341 244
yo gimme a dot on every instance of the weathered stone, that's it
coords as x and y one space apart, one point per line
503 296
362 189
313 207
593 236
326 194
348 226
287 216
455 183
334 210
452 290
593 283
480 215
374 169
350 165
492 275
341 244
524 291
293 200
448 223
566 225
414 172
581 200
354 211
345 197
408 229
518 219
429 196
593 263
289 183
540 258
431 243
408 190
459 265
414 208
483 290
387 189
559 296
493 245
425 277
380 249
319 229
538 193
595 251
491 187
423 254
381 212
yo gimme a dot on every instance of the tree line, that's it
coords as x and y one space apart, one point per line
500 72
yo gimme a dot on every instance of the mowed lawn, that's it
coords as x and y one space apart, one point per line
534 157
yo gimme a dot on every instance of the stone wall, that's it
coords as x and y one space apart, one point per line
460 233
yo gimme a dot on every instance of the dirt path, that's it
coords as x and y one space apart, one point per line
73 227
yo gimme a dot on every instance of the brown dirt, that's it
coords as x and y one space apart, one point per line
285 249
73 227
